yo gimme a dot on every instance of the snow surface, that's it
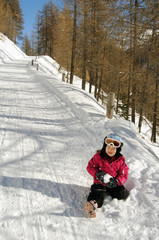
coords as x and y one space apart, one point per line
48 132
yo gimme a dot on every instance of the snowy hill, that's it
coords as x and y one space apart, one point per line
49 131
8 50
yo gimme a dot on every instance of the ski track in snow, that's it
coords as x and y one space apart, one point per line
48 135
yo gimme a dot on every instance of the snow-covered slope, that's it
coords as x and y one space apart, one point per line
8 50
49 131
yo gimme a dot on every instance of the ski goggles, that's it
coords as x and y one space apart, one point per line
113 142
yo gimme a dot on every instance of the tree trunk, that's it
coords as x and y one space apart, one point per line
130 63
153 136
73 42
110 105
118 95
100 85
128 97
84 48
140 119
93 45
134 70
96 83
156 58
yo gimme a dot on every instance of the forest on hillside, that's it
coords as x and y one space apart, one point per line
113 45
11 19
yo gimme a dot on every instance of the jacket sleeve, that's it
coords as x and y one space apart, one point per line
92 167
122 173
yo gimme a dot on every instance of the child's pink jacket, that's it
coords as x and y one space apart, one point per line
117 168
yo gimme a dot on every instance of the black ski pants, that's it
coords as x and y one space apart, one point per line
99 192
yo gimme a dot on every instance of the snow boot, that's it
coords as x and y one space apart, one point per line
90 208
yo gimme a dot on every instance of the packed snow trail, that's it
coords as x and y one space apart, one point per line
49 131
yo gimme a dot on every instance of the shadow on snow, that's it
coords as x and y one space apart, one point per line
70 194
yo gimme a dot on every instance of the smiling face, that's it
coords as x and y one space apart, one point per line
110 150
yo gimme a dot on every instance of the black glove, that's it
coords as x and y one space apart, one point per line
100 175
112 183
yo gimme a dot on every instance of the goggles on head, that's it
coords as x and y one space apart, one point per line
112 142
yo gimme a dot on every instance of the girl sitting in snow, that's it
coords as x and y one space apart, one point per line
109 171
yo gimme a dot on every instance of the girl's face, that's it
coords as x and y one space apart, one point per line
110 150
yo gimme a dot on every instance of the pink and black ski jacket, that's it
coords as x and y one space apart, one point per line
117 168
